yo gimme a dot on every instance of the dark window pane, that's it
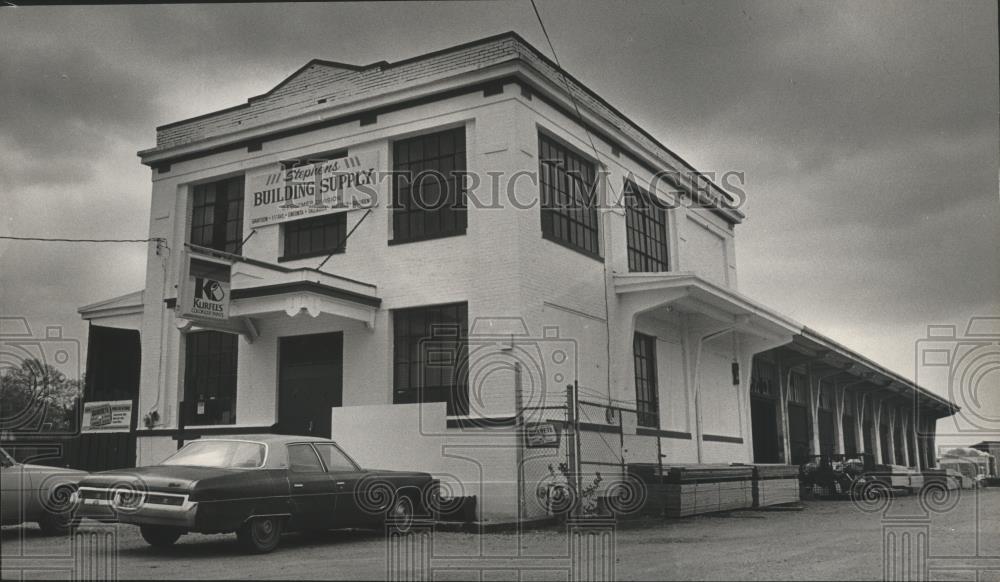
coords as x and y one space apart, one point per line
217 215
646 389
429 356
303 459
427 203
320 235
646 226
568 196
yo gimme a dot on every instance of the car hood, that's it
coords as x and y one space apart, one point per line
155 477
64 471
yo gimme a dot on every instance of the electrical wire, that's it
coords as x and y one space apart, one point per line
597 156
84 240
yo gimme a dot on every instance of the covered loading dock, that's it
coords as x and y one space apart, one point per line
813 396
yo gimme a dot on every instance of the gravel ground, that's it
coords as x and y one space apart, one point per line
826 540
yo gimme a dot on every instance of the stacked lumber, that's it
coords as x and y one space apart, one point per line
697 489
941 476
898 476
775 485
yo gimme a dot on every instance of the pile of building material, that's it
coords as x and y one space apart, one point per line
941 477
775 485
896 476
697 489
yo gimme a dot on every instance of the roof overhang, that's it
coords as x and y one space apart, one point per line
867 373
124 311
688 293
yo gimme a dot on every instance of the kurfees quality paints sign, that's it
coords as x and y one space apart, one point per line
283 194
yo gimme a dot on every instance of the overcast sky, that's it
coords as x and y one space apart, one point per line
868 132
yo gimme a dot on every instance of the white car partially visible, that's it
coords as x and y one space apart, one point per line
36 493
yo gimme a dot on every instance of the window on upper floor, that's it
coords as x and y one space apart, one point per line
428 187
764 378
210 378
430 348
646 231
568 191
311 237
217 215
646 390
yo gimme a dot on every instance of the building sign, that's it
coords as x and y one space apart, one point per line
538 435
280 194
107 416
204 294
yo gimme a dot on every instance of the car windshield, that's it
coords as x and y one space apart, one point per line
220 454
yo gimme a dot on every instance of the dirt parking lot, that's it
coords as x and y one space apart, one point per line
826 540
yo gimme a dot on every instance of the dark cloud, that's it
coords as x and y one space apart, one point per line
867 131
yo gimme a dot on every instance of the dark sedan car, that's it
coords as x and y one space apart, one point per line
258 487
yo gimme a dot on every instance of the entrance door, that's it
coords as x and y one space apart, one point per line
764 422
827 437
798 432
310 382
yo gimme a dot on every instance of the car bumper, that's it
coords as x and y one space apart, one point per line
181 515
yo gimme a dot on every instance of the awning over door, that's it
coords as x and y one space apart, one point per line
260 289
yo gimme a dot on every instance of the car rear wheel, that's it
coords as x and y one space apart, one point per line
400 516
159 536
260 535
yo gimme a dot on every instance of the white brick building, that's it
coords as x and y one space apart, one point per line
636 303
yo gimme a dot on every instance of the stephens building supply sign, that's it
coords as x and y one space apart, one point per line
280 195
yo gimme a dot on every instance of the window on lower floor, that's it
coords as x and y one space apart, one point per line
646 231
217 215
568 190
646 397
428 186
210 378
311 237
430 356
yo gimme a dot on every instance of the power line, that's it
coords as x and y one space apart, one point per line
85 240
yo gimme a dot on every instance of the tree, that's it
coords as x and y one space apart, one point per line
37 397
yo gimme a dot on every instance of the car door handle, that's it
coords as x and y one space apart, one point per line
340 483
297 485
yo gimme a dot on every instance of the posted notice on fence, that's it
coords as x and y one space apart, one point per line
107 416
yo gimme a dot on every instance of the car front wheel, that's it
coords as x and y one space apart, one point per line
260 535
159 536
57 516
401 514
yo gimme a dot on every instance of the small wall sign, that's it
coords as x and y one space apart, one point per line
205 291
539 435
107 416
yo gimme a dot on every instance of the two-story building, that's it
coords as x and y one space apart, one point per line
419 257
